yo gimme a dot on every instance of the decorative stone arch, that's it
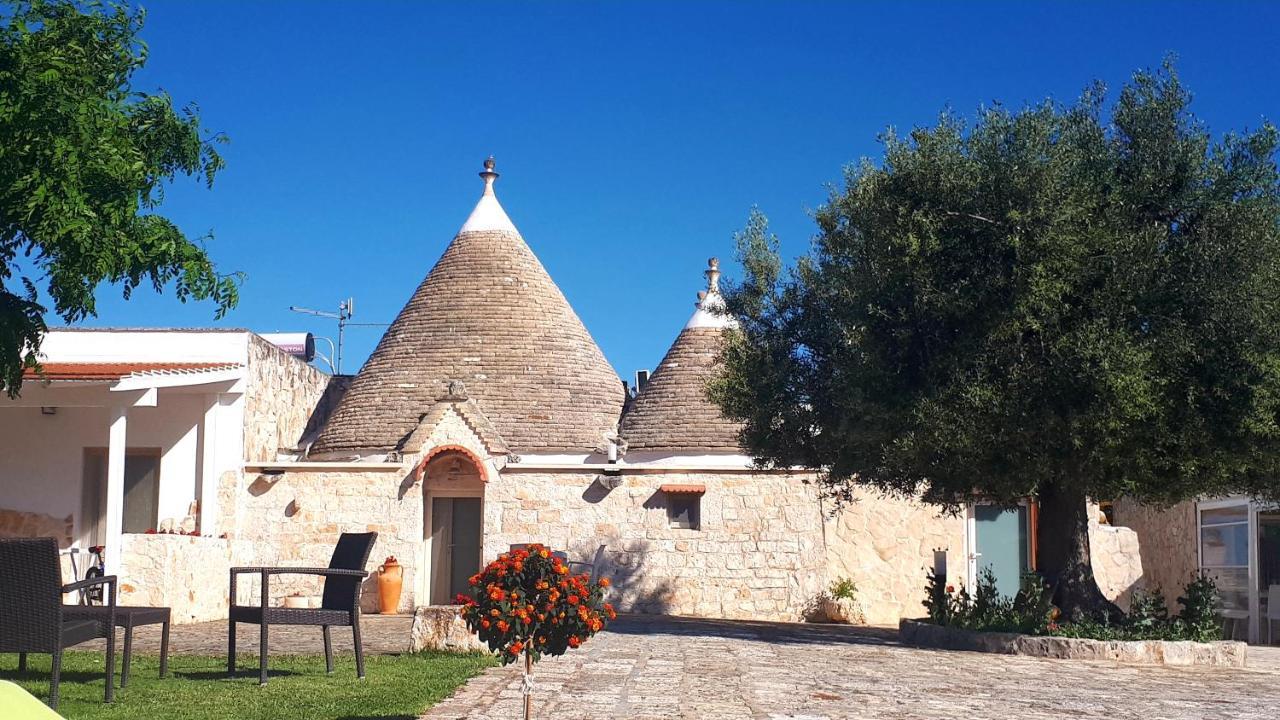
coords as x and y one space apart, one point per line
480 465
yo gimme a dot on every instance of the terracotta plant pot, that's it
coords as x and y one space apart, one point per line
390 583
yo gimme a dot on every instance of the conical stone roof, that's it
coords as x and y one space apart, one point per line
488 315
672 412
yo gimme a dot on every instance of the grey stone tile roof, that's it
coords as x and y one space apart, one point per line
488 314
673 411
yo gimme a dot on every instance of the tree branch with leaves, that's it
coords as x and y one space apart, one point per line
84 160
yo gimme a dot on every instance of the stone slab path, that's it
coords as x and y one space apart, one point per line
648 668
382 635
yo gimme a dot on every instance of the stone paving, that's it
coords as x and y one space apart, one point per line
382 635
649 668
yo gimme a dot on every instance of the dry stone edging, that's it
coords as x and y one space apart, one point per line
1226 653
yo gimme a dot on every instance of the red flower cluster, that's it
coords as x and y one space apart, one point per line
526 601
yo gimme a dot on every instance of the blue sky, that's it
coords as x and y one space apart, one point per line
632 138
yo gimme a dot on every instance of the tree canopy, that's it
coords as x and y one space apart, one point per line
84 161
1063 301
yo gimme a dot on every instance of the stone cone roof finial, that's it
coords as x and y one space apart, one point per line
710 305
489 175
488 215
713 276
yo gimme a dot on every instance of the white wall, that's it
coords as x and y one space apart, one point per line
42 456
145 346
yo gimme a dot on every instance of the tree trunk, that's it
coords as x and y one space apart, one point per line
1062 540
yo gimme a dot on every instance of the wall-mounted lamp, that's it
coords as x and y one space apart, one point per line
48 410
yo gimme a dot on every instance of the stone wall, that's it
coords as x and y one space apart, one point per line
283 395
758 553
1167 541
20 524
1117 562
188 574
295 518
885 544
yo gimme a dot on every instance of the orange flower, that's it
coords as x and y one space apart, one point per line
604 582
495 612
574 641
502 626
516 647
526 620
573 599
545 553
484 624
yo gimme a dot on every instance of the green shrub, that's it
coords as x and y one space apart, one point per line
843 589
1031 612
1199 617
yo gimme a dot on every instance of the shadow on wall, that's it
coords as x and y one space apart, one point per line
632 588
328 402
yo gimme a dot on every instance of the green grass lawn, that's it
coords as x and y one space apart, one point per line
197 688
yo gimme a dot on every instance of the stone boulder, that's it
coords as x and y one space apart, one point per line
440 627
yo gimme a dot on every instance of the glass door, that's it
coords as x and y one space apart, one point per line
1225 556
1002 544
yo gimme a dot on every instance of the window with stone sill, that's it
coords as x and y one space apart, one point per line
685 511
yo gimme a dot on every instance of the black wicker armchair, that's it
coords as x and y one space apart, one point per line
339 605
31 614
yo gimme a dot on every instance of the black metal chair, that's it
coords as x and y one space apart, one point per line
339 605
31 613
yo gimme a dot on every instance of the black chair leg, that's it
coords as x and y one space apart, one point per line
231 647
164 650
328 651
22 662
262 656
355 633
111 665
128 655
54 675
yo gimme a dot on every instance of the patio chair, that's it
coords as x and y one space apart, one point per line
339 605
594 568
31 612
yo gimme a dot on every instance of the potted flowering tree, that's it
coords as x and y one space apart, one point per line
527 604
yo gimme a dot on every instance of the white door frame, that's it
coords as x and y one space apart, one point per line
422 587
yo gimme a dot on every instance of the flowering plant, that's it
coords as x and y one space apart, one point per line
527 602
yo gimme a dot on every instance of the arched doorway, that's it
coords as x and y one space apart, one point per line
453 522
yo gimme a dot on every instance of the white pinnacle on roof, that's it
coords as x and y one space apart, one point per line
710 311
488 214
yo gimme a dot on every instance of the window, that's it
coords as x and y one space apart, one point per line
684 511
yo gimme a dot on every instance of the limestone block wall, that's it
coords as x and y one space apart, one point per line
1167 544
185 573
282 396
1117 562
758 553
295 518
885 544
21 524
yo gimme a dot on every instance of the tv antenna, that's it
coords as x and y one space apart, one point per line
346 310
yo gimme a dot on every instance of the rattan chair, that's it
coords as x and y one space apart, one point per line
31 614
339 605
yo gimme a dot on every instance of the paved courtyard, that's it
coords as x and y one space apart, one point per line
652 667
672 668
